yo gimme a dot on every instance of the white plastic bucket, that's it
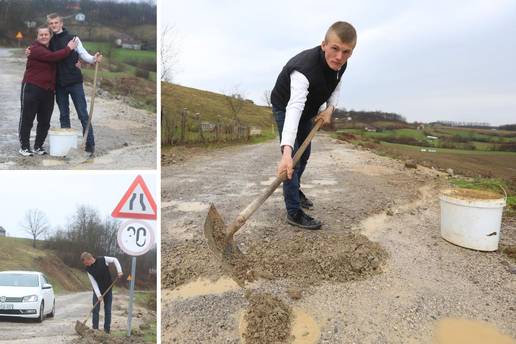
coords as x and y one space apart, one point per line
471 218
61 140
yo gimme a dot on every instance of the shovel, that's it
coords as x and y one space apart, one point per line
73 153
81 327
220 238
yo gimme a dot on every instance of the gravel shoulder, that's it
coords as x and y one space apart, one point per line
423 280
125 137
61 329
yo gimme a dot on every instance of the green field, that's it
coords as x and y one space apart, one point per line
126 72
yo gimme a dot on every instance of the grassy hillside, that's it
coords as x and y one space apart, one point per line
210 105
18 254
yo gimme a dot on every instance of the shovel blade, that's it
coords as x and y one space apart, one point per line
223 246
81 328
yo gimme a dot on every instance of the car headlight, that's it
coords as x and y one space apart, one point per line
30 298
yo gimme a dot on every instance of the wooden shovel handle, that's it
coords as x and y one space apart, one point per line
92 104
98 301
251 208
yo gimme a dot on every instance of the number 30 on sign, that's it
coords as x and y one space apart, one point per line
135 237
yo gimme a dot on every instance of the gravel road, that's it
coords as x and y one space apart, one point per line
424 279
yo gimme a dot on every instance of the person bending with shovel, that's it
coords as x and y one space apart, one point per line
306 89
101 281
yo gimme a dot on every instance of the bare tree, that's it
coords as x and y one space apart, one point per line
267 98
235 101
36 224
169 52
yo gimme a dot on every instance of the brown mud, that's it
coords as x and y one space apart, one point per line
267 320
304 259
90 336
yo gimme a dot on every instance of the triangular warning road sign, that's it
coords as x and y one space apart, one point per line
137 203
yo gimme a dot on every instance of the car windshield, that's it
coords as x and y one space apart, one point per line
19 280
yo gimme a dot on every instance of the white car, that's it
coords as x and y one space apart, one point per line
26 294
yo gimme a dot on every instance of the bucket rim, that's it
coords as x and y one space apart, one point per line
61 132
475 203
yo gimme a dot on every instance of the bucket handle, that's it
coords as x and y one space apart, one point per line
505 192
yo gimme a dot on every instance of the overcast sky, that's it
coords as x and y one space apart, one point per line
58 194
426 60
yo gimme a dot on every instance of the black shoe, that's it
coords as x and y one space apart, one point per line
39 151
303 220
91 150
305 202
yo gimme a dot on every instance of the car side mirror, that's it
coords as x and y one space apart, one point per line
47 286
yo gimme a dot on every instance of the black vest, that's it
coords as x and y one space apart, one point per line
322 81
67 73
100 273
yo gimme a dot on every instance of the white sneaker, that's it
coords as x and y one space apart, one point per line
25 152
39 151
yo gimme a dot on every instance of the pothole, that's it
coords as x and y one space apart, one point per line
202 286
462 331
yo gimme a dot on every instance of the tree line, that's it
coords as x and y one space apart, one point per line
86 231
14 14
369 116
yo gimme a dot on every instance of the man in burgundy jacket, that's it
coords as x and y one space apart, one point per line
37 91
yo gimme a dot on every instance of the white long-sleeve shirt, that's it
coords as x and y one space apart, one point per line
108 260
83 53
298 93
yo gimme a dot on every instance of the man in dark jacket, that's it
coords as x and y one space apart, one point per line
37 93
100 278
308 86
69 78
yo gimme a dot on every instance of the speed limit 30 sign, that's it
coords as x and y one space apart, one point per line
135 237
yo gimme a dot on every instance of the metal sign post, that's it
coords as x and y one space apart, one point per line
131 295
135 237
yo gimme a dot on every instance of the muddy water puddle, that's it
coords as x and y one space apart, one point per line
462 331
202 286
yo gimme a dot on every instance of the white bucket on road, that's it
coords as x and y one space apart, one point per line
472 218
61 140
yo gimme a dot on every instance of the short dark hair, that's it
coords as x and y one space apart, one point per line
43 28
344 30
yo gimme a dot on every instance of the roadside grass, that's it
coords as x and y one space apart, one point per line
212 107
18 254
149 330
496 185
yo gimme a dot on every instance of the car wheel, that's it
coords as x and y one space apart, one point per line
51 315
41 312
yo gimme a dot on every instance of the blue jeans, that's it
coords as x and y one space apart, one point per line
76 91
108 299
291 187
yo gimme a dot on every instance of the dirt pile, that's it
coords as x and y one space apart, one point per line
186 261
267 320
90 336
305 259
311 259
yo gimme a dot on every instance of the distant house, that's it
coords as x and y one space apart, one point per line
3 232
207 126
371 129
127 42
255 131
432 137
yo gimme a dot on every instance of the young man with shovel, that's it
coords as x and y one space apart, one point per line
101 281
306 89
70 80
